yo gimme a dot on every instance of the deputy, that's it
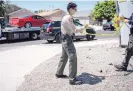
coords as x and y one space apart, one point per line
129 50
68 49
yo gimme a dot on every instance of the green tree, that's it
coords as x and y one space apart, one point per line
103 10
2 8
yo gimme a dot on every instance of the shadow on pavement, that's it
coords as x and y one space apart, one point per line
73 41
90 79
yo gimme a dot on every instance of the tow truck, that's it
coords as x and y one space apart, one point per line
8 32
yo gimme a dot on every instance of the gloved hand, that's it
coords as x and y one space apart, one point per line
86 26
83 28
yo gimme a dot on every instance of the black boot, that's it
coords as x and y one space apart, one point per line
123 66
120 67
75 82
61 76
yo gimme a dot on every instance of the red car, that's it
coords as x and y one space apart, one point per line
28 21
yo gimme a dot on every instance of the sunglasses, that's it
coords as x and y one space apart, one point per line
75 9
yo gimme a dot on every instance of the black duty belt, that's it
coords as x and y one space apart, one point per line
66 36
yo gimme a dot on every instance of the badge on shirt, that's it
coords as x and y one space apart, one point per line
71 19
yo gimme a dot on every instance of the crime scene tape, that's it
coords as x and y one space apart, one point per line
115 23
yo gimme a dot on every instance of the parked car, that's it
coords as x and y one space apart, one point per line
28 21
107 25
51 31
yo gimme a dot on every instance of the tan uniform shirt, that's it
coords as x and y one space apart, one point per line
67 25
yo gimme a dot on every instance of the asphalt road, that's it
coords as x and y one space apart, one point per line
15 44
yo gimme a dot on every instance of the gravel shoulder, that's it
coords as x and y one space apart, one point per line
95 69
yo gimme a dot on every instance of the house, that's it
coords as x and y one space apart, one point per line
56 14
21 13
83 16
12 8
16 11
9 9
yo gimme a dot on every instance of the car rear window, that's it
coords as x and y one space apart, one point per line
46 24
55 24
24 17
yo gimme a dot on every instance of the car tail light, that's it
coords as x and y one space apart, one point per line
49 29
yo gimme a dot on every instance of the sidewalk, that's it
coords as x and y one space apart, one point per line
32 66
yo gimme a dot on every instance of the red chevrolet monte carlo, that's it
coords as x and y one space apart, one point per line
28 21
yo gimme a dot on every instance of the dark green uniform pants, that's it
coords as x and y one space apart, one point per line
129 51
68 51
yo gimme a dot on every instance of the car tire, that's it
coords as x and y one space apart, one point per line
58 38
88 37
92 37
105 29
50 41
28 25
112 29
77 39
34 36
